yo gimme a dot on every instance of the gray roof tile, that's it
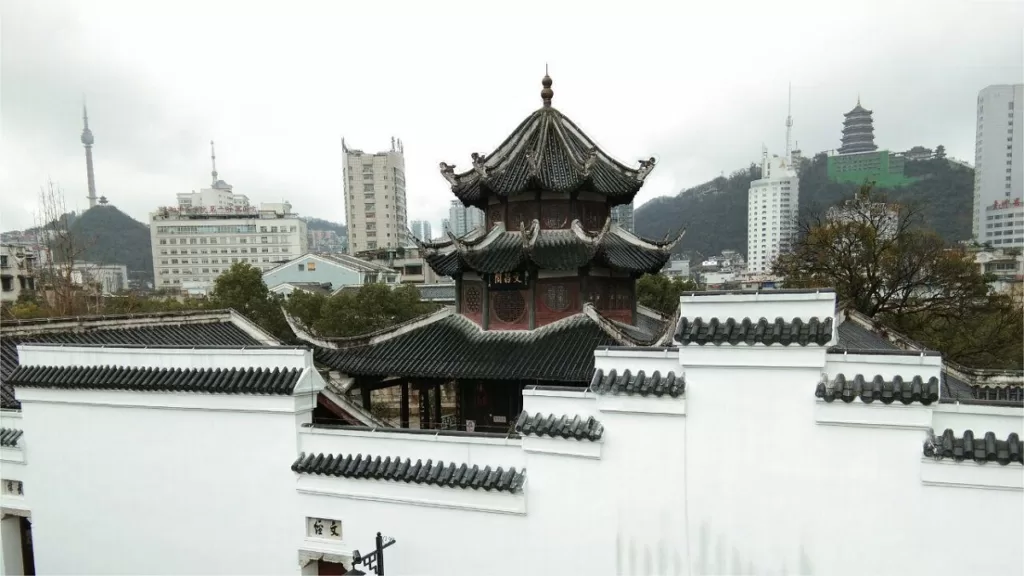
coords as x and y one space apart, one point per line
261 381
563 426
547 151
449 475
885 391
177 329
853 336
732 331
10 436
639 384
981 449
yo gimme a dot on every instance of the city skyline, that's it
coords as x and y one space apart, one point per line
153 127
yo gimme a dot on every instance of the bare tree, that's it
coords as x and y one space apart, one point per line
61 254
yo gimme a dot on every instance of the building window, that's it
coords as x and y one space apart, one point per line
302 267
311 266
367 187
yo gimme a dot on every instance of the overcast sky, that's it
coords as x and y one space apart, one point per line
698 85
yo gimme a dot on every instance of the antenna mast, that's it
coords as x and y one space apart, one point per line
213 159
789 123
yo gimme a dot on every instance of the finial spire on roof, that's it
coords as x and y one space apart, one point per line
85 114
547 93
213 158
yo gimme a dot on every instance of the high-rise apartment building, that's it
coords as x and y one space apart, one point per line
421 229
375 206
208 231
998 182
464 220
771 213
623 216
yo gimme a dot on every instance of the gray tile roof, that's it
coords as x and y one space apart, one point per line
449 345
853 336
449 475
563 426
260 381
437 292
206 328
1008 394
507 251
639 384
546 152
886 392
10 436
981 449
732 331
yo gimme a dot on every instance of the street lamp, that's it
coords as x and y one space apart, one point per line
374 560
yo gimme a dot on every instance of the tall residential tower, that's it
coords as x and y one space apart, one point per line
375 207
772 207
998 182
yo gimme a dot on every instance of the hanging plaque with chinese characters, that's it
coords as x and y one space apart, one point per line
323 528
516 280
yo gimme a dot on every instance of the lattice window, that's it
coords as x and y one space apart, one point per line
472 299
495 214
593 217
509 306
556 216
556 297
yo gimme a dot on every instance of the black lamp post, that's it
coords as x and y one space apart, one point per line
374 560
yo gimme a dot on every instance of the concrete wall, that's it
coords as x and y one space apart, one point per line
746 473
10 546
162 483
324 271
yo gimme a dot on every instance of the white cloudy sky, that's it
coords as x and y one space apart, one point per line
699 85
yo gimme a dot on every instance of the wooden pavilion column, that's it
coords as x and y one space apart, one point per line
424 406
403 415
437 405
366 391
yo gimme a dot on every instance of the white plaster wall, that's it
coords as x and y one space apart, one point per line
10 546
142 490
980 419
763 305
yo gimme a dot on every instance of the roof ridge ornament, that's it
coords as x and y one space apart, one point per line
547 93
448 171
645 168
479 165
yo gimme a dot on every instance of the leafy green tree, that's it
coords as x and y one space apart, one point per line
241 288
884 265
661 293
940 152
366 309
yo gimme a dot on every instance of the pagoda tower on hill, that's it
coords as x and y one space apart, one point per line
858 131
548 280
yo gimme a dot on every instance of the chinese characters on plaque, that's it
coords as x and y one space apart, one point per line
13 488
508 280
323 528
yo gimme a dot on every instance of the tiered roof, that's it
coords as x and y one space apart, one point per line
858 131
501 250
448 345
546 152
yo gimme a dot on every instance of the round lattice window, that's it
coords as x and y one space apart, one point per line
554 217
509 306
494 215
556 297
473 299
592 218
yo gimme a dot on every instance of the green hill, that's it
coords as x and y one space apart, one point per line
715 213
113 237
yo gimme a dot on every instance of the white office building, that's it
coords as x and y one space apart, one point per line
208 231
771 213
464 220
998 182
421 229
375 207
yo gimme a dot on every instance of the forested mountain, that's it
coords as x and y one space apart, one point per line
110 236
715 213
321 224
